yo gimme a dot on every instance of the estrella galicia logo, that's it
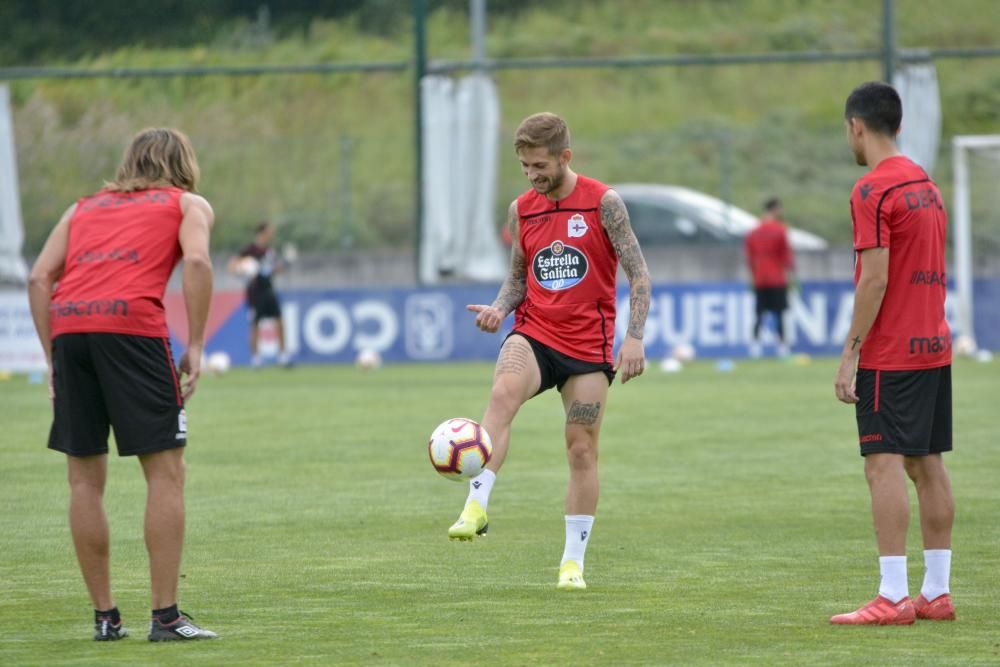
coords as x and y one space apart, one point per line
559 266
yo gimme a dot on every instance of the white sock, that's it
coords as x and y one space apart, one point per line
578 529
480 487
937 564
893 585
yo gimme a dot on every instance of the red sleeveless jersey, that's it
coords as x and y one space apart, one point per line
570 303
123 246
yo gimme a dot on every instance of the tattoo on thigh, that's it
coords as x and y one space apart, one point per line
513 359
583 413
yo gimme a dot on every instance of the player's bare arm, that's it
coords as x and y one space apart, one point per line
514 288
867 302
614 217
195 232
46 271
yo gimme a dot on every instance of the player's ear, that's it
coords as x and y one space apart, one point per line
566 155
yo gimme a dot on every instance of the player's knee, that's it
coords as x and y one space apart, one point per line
504 398
168 471
83 485
581 450
914 468
881 467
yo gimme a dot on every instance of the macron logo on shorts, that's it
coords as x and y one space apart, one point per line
182 426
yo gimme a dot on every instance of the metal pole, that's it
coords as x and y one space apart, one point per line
477 31
419 69
888 40
347 205
963 238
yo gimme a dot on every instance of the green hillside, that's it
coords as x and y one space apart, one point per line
330 157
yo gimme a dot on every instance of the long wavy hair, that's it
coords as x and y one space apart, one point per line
157 157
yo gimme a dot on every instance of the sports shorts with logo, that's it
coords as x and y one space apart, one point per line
119 381
904 412
557 368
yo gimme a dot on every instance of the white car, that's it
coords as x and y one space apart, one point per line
671 214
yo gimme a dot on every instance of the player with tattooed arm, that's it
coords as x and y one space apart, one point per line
569 234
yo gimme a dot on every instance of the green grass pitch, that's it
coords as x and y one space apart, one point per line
734 520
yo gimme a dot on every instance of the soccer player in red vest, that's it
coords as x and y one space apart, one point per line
769 257
96 294
569 234
896 363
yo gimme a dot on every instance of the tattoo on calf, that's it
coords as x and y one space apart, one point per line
583 413
513 359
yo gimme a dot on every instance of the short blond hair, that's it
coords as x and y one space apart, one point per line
157 156
542 130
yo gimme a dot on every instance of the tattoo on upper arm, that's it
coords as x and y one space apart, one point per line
614 218
855 342
515 287
583 413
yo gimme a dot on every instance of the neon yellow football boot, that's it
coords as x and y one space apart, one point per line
571 577
470 523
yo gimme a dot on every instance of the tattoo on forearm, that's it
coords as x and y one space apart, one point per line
583 413
513 359
855 342
614 217
515 287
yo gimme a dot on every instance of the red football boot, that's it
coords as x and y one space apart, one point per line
938 609
879 612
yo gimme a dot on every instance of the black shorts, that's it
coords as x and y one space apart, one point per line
556 368
117 380
904 412
263 304
771 299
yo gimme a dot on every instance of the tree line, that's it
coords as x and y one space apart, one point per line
37 32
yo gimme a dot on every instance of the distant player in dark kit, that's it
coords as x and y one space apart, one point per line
569 234
896 363
104 332
262 300
770 259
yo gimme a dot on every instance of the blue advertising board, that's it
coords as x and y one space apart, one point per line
432 324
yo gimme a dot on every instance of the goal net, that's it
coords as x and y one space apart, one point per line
975 218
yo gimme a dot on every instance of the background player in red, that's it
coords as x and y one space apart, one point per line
570 232
896 362
769 257
104 332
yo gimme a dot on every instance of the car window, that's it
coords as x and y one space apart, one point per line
652 224
657 224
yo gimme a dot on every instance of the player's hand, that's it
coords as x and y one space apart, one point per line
631 361
488 318
843 384
52 387
190 370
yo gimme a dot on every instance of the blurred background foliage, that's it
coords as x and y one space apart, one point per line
330 157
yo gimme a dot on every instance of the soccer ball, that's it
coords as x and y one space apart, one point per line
218 363
368 359
965 346
248 267
683 352
460 448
